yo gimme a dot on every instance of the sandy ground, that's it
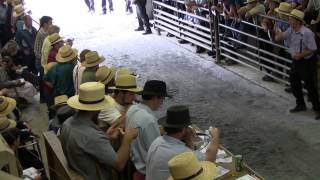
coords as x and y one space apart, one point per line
253 116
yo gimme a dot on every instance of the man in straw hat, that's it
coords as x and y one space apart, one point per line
142 116
56 43
46 46
87 147
60 76
178 139
91 63
301 47
125 90
187 166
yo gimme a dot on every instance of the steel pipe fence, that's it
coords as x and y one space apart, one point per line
208 30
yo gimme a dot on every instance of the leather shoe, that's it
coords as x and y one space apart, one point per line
147 32
139 29
298 108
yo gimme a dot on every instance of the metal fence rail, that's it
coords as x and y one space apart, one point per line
207 30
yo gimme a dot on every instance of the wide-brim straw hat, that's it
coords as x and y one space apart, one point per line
187 166
297 14
6 124
7 105
66 54
91 97
55 38
284 8
60 100
18 10
92 59
127 83
105 74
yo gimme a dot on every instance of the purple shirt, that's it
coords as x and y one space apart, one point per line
299 41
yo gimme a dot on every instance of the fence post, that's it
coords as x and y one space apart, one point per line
216 31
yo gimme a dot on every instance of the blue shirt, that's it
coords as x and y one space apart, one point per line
299 41
142 116
160 152
87 148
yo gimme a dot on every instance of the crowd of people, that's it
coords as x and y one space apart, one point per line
94 108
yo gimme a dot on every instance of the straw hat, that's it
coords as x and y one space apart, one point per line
299 15
127 83
7 105
18 10
91 97
105 74
187 166
48 66
60 100
92 59
284 8
55 38
66 54
6 124
124 71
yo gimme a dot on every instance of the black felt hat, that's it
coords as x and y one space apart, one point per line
177 117
156 88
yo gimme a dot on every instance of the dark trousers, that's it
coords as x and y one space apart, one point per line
90 4
142 14
128 6
305 70
104 5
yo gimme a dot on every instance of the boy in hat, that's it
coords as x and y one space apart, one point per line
125 91
78 71
91 63
87 148
302 46
176 140
56 43
142 116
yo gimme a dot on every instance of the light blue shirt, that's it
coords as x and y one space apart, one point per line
142 117
160 152
299 41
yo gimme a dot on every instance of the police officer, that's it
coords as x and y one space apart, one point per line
302 46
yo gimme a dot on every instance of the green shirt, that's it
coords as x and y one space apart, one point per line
89 75
60 76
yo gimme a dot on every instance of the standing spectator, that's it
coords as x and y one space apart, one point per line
46 46
90 4
25 39
142 116
5 22
45 23
302 46
104 6
143 18
17 18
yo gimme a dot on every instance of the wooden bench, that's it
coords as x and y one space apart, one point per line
57 162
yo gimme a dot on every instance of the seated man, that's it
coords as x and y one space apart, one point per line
177 140
142 116
87 148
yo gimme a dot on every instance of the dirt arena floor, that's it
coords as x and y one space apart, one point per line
252 116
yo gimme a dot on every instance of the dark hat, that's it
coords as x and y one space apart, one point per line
64 113
177 117
156 88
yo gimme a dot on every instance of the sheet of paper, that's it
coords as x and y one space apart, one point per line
224 160
221 171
